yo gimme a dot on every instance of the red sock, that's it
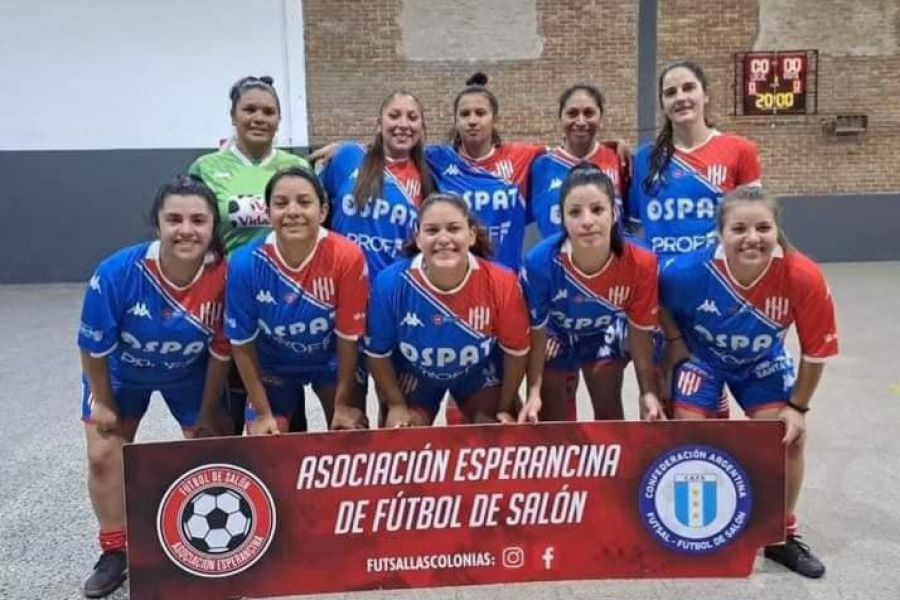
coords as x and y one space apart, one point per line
791 525
112 541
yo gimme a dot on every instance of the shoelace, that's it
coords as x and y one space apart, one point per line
801 545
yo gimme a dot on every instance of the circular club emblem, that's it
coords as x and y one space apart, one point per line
216 520
695 499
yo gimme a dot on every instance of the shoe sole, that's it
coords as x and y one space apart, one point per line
107 590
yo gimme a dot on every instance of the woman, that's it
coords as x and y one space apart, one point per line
726 312
296 303
580 114
680 179
151 321
581 286
238 174
377 189
447 320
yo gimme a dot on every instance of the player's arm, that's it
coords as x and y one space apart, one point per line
247 361
640 342
385 376
381 340
643 318
209 423
514 366
535 376
514 338
675 350
104 411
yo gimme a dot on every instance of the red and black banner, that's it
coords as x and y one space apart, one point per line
341 511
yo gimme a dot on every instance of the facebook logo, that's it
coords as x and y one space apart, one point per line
548 556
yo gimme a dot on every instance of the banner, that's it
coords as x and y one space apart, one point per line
425 507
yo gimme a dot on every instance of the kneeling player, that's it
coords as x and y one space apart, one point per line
447 319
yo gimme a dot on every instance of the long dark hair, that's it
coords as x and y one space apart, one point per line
752 193
185 185
482 246
302 173
664 147
589 174
476 84
370 179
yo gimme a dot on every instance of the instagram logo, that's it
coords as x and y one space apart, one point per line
513 557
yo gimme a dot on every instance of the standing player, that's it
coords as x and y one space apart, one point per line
447 320
726 312
238 174
680 179
580 114
152 321
296 305
377 189
581 286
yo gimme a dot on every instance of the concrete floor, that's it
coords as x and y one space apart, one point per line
849 509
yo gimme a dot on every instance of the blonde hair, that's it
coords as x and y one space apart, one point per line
752 193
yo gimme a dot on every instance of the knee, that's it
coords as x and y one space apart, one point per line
104 457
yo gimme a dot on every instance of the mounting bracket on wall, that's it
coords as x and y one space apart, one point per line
847 125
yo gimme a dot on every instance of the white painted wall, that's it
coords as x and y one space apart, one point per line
110 74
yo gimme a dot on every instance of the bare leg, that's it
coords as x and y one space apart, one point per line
555 389
604 384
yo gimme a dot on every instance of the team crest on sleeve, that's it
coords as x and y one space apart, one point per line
216 520
695 499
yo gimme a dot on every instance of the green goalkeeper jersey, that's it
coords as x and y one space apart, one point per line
239 184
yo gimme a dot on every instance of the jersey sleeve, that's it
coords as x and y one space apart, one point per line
220 347
352 293
98 332
241 308
536 287
334 173
524 157
750 165
381 328
643 307
511 325
813 312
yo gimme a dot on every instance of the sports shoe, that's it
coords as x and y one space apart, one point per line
109 573
796 556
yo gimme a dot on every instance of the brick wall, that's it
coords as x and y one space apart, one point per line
355 55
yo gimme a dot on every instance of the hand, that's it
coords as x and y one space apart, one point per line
323 155
105 418
348 417
263 425
530 413
505 417
795 421
213 424
397 416
651 408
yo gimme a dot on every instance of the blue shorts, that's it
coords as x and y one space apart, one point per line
577 351
285 393
427 393
183 400
698 386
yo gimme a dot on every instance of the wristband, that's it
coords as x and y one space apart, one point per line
800 409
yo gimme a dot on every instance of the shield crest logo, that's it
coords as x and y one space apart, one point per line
695 499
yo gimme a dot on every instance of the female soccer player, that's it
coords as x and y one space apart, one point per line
296 303
447 319
680 179
726 312
238 174
151 321
580 114
377 189
582 286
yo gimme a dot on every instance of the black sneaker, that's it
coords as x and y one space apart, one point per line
796 556
109 573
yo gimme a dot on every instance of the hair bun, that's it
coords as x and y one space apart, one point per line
477 78
267 79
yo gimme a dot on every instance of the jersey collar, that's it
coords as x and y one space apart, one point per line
777 252
271 240
566 249
152 254
247 161
418 264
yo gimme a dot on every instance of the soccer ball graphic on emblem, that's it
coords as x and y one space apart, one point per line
217 520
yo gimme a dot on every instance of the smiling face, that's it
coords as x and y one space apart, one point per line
295 211
749 235
588 217
402 126
580 119
256 118
474 120
445 237
185 226
683 97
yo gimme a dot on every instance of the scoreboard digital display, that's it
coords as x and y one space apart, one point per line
774 82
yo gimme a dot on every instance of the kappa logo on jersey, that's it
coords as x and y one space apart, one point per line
323 289
709 306
619 294
504 169
717 174
210 313
265 297
555 184
139 310
479 317
560 295
777 308
689 383
412 320
451 170
95 283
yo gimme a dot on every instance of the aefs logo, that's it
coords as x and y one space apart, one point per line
216 520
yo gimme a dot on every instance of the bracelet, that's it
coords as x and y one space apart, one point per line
674 339
800 409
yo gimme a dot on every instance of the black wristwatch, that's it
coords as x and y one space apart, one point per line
800 409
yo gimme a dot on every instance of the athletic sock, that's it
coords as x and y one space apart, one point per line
112 541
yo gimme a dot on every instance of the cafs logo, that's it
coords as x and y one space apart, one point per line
695 499
216 520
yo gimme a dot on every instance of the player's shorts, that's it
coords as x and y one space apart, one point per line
698 386
427 393
573 352
285 393
183 400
